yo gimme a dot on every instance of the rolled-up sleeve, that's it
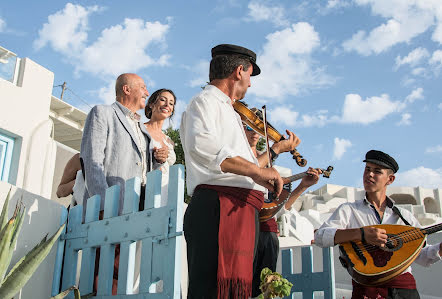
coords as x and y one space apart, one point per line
325 235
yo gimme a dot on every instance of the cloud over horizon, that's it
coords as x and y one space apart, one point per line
420 176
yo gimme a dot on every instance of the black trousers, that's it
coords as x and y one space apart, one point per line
201 225
266 256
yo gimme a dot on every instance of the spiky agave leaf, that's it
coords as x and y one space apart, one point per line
5 247
20 275
65 293
4 214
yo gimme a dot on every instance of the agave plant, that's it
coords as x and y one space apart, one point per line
19 275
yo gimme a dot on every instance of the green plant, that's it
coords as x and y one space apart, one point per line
19 275
273 285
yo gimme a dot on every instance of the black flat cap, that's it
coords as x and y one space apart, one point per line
227 49
382 159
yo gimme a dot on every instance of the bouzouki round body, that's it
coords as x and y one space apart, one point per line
372 265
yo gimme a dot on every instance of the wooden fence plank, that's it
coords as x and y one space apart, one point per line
71 253
88 254
107 251
56 279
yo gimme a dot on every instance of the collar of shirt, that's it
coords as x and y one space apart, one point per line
219 95
127 112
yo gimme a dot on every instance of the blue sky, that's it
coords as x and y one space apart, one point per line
345 76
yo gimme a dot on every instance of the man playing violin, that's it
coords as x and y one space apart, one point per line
268 243
350 220
225 180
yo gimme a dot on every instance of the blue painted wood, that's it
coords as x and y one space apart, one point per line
88 254
107 252
71 252
153 189
128 247
56 278
159 230
308 281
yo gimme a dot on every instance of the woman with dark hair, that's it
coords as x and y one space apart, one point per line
161 106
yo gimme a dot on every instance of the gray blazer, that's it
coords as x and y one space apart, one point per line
110 151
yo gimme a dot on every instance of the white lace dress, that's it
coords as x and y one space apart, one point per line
171 159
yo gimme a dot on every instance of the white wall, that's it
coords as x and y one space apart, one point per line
25 114
42 217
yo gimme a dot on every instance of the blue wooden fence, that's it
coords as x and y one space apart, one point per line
158 229
307 282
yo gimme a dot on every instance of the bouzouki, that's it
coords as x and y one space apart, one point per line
373 265
271 206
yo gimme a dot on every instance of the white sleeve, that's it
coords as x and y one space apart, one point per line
325 235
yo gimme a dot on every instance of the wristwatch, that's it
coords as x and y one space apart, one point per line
273 154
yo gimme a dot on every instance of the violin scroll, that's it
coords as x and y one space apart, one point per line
299 159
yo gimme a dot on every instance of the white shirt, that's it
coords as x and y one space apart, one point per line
211 131
362 213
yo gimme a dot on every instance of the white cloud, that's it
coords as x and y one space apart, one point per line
66 30
283 115
201 70
439 106
404 21
118 49
333 4
416 94
287 116
122 48
434 149
340 147
420 176
356 110
405 120
419 71
2 25
436 59
258 11
287 68
107 92
413 58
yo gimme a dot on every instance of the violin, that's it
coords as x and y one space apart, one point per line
253 118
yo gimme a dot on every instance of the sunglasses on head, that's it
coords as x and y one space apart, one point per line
248 128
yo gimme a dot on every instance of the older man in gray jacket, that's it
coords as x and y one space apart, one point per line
115 145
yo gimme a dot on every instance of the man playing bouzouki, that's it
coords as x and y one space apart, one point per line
350 220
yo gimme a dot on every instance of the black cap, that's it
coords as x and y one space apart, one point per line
382 159
227 49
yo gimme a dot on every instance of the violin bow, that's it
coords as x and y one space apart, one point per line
264 120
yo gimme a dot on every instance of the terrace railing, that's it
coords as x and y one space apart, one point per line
159 230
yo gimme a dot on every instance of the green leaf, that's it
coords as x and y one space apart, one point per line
4 215
64 293
20 275
5 247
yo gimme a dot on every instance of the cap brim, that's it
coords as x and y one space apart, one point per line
377 162
256 69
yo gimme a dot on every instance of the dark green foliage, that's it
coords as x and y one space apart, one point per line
174 134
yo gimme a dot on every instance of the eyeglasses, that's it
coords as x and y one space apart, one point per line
248 128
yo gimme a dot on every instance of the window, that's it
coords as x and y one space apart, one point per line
6 150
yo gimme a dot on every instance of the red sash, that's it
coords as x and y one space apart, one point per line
269 226
403 281
236 239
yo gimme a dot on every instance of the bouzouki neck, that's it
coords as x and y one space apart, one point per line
431 229
325 172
